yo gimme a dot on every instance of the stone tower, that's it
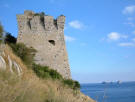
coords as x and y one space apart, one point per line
46 35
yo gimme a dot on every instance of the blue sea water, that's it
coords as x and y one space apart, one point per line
110 92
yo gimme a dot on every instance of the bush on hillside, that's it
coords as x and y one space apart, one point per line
9 39
25 53
77 85
45 72
72 84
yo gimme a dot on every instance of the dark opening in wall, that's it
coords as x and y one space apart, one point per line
55 23
51 42
28 23
42 21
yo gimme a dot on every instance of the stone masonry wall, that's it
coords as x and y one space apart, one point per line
46 35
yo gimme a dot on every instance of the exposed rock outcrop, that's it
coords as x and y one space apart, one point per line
2 63
7 62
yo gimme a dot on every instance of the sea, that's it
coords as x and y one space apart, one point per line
110 92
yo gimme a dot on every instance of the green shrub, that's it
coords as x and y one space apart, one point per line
72 84
77 85
55 75
41 71
25 53
45 72
39 14
10 39
69 82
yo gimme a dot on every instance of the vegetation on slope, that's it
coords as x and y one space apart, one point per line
15 89
45 72
37 83
30 88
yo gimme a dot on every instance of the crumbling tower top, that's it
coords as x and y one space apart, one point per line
44 21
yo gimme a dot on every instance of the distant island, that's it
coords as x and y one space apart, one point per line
117 82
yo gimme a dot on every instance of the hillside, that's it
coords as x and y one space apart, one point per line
20 84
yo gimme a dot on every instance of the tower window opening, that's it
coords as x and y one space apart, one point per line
52 42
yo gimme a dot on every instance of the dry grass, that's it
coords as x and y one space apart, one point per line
29 88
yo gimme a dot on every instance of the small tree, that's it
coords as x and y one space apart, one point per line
1 30
9 39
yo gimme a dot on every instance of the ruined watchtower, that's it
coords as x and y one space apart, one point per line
46 35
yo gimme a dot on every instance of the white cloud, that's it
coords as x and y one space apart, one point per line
114 36
127 44
129 9
69 38
76 24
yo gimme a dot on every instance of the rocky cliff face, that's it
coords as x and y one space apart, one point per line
8 61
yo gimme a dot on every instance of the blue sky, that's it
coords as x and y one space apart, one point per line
100 34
